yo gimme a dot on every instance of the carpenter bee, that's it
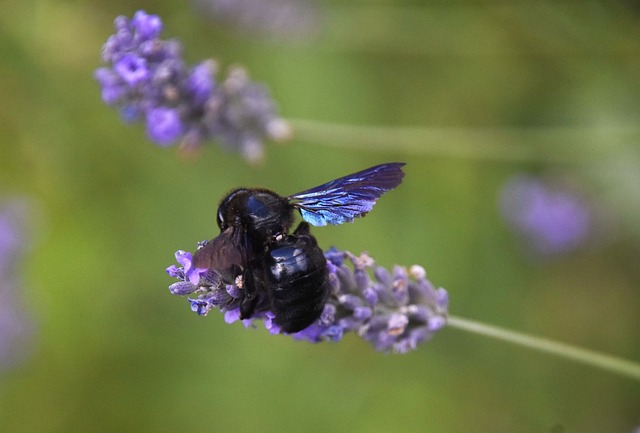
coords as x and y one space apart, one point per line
288 270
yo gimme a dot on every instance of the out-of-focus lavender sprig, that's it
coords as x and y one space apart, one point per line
393 310
146 78
552 219
16 327
280 20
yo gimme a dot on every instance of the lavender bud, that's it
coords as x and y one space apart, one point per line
182 288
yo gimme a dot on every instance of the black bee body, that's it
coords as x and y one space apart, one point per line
295 270
288 270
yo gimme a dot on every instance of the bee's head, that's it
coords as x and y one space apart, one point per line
255 210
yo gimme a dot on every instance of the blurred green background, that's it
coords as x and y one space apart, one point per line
114 351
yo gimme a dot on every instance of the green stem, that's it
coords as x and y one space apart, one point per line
546 144
589 357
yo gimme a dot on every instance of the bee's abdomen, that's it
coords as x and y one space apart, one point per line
299 282
299 303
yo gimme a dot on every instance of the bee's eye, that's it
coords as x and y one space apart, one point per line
220 219
228 206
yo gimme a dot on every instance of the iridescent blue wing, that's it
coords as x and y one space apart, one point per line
348 197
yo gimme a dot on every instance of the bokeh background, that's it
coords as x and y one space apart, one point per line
502 88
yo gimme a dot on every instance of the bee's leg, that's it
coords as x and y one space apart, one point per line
302 229
250 295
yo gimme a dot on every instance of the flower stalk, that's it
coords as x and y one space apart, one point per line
592 358
567 145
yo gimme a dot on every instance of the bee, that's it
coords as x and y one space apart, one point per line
288 270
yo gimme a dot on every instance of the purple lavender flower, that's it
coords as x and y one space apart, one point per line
394 311
553 220
15 326
10 238
147 80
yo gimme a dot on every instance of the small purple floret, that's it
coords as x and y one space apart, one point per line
191 273
146 26
232 316
132 69
164 125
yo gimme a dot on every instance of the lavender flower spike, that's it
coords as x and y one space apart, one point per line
551 218
16 325
394 311
146 78
278 20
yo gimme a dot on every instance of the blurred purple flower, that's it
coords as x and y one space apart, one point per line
146 78
10 238
280 20
553 220
15 327
394 311
163 125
